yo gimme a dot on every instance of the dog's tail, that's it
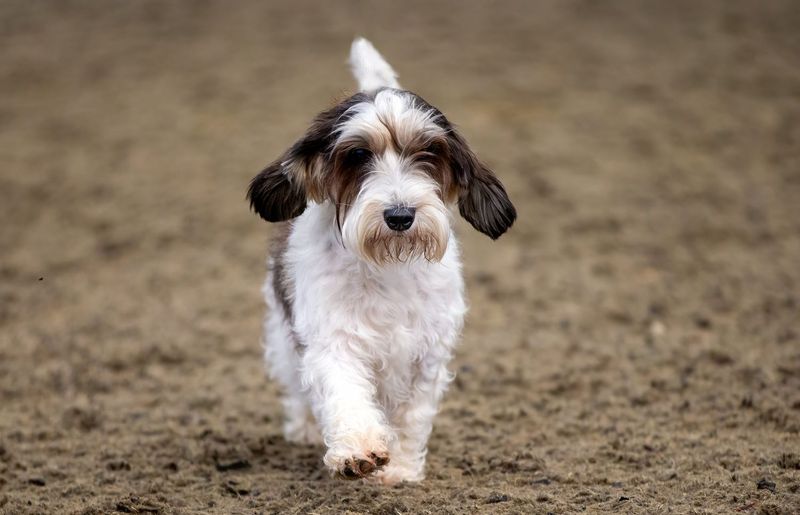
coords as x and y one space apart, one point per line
370 68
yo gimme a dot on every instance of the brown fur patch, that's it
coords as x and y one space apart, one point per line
281 282
344 178
483 200
282 190
432 154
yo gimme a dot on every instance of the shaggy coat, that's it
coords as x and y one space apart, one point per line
365 292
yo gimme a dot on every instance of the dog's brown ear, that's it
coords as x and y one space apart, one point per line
482 199
284 188
276 193
281 191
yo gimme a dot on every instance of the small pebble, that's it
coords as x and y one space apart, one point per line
766 484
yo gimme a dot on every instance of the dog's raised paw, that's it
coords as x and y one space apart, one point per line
356 467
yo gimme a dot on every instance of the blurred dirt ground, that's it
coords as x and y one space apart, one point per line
633 343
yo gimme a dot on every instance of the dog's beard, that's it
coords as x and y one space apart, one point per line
427 238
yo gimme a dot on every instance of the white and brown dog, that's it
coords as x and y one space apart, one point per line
365 293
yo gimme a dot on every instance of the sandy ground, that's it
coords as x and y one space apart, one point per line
633 343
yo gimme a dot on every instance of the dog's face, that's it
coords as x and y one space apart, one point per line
391 164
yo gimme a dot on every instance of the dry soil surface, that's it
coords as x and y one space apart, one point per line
633 343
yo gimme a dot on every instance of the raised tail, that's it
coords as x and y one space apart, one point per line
370 68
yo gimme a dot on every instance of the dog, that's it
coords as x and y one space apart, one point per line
364 287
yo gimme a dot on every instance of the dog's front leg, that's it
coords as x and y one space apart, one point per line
343 399
414 421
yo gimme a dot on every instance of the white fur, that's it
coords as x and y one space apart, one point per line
370 68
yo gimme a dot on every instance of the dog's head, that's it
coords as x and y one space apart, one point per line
391 165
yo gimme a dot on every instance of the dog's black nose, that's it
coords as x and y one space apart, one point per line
399 218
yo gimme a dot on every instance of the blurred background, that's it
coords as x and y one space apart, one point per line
633 342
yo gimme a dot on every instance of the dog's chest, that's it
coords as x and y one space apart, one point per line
411 305
404 309
399 310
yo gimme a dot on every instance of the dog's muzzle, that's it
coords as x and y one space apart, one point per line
399 218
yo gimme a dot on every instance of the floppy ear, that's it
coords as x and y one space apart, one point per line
283 189
276 193
280 191
482 199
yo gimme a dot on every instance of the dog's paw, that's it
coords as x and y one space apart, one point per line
356 465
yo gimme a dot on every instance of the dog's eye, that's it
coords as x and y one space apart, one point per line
358 156
433 148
